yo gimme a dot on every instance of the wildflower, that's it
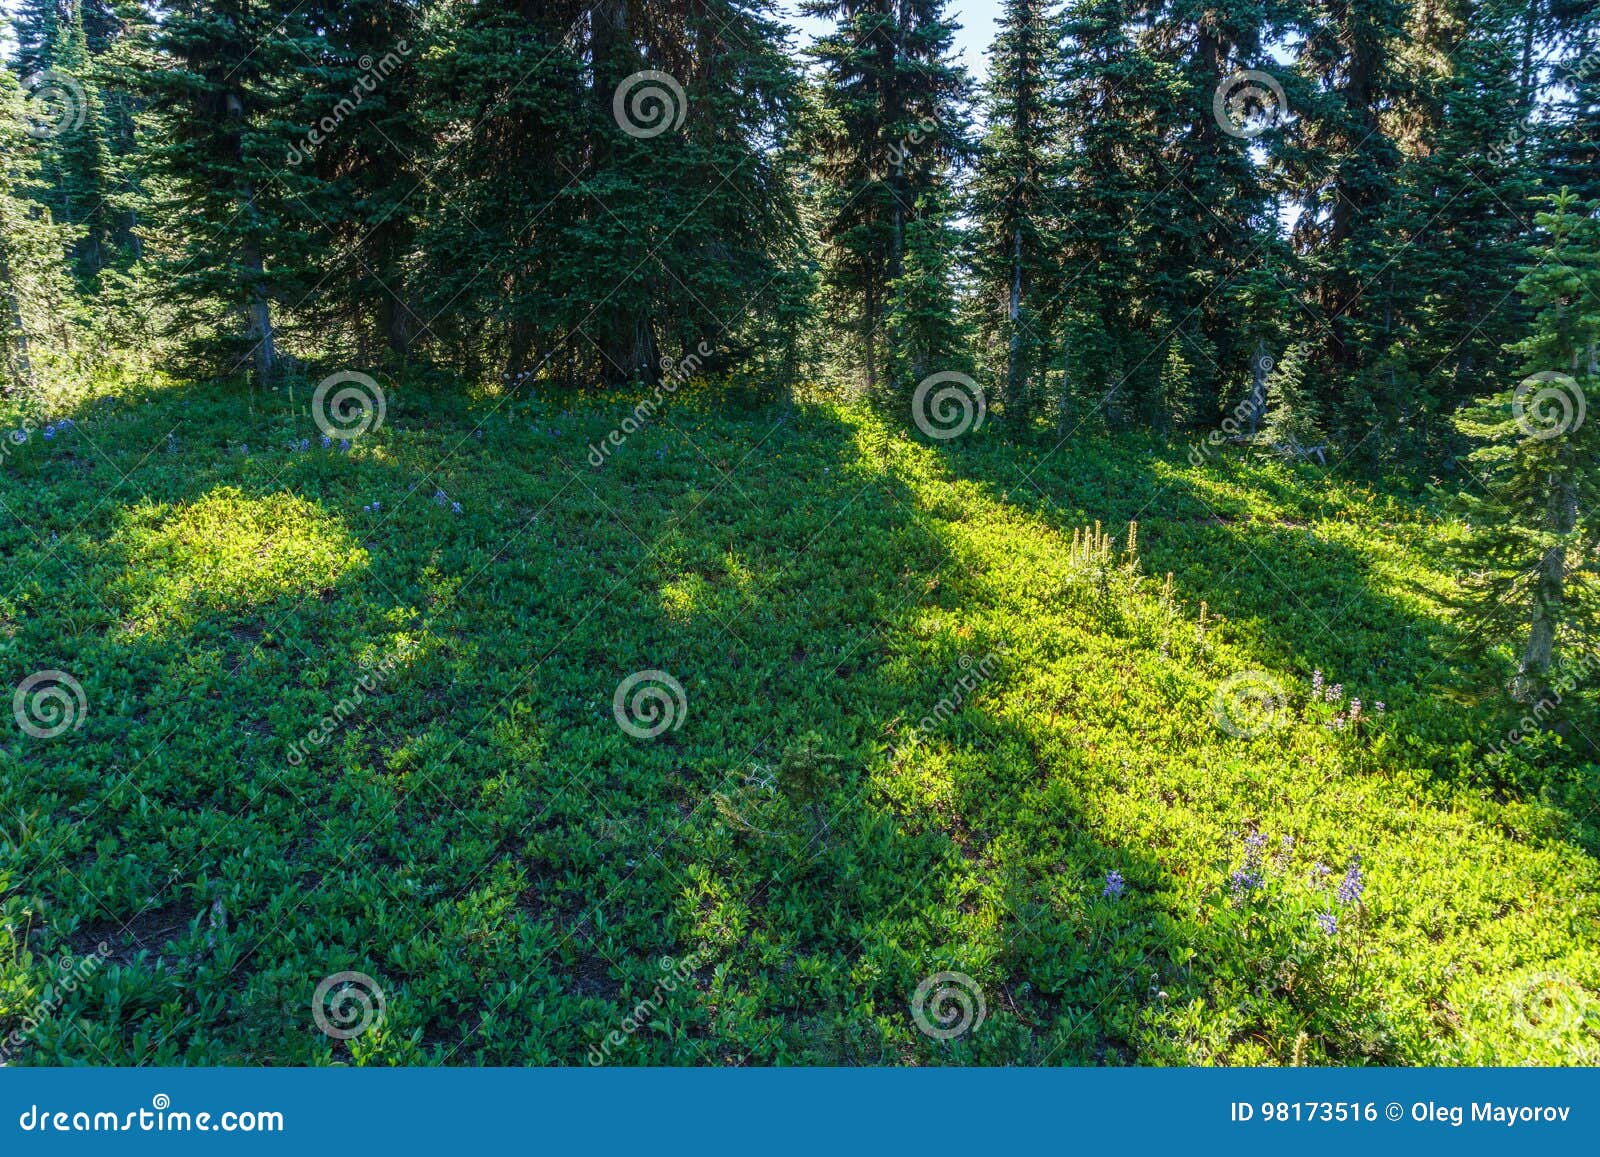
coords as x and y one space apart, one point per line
344 445
1114 886
64 423
1244 881
1380 707
49 432
1316 683
1355 711
1336 693
1288 843
368 509
1329 922
376 505
1351 887
1319 873
455 508
326 441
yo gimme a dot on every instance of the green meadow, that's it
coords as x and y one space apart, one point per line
1055 742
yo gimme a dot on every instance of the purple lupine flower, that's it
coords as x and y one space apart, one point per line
1355 711
1114 886
376 505
1244 881
1329 922
344 445
1351 887
1288 843
1380 707
49 432
1319 873
455 508
1316 683
326 441
1336 693
1253 844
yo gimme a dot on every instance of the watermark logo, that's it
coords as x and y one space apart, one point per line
648 703
70 973
1247 704
49 703
674 973
55 104
1547 1005
947 404
1248 103
1548 405
954 698
649 103
673 375
373 676
948 1005
347 1004
347 405
373 73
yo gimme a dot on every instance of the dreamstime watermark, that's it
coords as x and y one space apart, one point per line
649 103
674 375
348 412
1548 405
373 73
156 1119
1235 425
899 151
947 404
49 703
647 703
55 104
674 973
1570 675
1551 1006
974 675
375 676
1503 152
70 973
1248 103
1248 703
347 1004
947 1005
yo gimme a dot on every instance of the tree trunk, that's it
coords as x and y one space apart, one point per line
258 313
1258 387
1548 592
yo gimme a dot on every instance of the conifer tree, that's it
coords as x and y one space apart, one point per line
1015 203
892 126
1537 518
78 167
35 296
232 249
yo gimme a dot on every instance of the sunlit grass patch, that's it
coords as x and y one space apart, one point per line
227 553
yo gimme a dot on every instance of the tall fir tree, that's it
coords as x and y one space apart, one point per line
1537 519
892 126
1016 206
233 252
35 294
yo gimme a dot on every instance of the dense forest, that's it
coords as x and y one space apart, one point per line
1306 223
1327 269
